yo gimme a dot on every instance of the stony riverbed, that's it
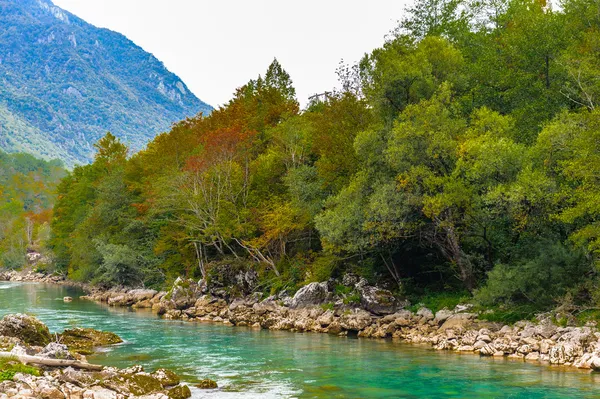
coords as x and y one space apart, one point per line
315 308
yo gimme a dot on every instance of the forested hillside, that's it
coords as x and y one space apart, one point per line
64 83
27 194
463 155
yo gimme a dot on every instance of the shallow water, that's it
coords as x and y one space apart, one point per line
248 363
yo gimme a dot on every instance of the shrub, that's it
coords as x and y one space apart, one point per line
541 280
322 268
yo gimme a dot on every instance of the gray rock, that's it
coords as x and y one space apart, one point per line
459 321
479 345
565 352
578 336
27 328
266 306
142 295
326 318
350 280
246 281
310 295
20 350
505 330
54 350
425 314
442 315
484 337
462 307
184 293
356 321
402 314
377 300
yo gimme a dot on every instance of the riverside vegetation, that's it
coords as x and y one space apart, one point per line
462 156
458 163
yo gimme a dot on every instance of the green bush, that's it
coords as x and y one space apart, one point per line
291 275
322 268
541 280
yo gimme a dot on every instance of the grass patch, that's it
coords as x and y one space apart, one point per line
10 367
586 316
353 298
328 306
440 300
508 315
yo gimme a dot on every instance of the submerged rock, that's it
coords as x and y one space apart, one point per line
207 384
27 328
179 392
84 340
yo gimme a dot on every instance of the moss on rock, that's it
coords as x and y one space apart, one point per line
28 329
84 340
180 392
143 384
207 384
166 377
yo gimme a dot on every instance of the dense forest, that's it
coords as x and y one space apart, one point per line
461 156
27 191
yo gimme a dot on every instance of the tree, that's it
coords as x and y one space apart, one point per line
436 18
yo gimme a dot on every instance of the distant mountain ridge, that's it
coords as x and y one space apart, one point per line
64 83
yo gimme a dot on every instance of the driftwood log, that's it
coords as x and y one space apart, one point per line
44 361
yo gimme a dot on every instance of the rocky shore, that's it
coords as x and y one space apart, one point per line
34 277
369 312
351 307
37 364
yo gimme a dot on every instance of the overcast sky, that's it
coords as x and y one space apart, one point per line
216 46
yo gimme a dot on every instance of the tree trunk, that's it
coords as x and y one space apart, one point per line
198 248
458 257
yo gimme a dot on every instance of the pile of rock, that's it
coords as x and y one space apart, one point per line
30 276
63 373
377 314
109 383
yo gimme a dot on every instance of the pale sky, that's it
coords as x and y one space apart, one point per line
216 46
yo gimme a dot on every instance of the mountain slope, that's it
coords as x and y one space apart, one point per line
64 83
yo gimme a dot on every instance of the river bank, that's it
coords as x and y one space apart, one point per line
372 313
316 308
30 276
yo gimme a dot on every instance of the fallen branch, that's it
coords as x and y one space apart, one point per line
44 361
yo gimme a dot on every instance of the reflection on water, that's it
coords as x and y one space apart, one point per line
250 363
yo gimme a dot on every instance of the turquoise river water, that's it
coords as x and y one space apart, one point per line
248 363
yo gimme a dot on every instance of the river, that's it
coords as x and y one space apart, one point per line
249 363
